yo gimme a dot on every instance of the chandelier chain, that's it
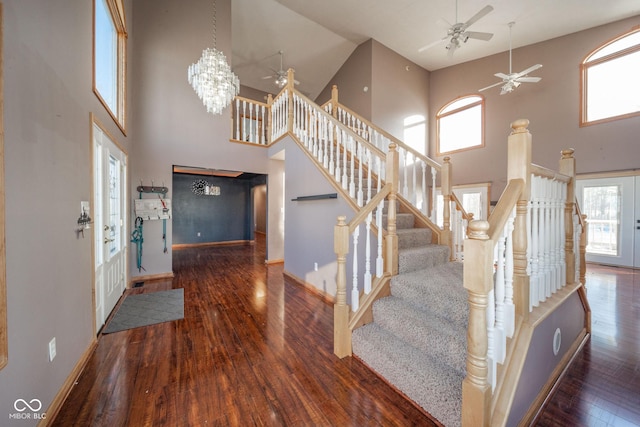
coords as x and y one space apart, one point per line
214 25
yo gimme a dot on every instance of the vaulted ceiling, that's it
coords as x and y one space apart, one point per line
317 37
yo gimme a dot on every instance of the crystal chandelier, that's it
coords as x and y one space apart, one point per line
211 77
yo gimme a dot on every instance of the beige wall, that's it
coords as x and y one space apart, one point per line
48 99
172 126
551 106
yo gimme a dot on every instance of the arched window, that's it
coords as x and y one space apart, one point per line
460 125
610 88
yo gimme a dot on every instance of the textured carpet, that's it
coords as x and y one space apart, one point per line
147 309
417 340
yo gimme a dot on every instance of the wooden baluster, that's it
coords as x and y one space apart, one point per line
405 187
379 258
325 141
341 332
509 307
434 196
352 165
355 292
367 257
269 118
478 280
414 191
262 131
425 197
392 238
332 146
491 339
338 170
345 163
244 114
238 118
547 239
334 100
562 234
567 166
498 334
249 138
369 167
360 195
445 182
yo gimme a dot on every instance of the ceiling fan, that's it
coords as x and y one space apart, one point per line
512 80
280 75
457 33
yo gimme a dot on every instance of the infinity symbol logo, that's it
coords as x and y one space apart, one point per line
21 405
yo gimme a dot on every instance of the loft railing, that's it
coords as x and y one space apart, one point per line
526 252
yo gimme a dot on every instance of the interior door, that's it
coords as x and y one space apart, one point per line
110 246
612 211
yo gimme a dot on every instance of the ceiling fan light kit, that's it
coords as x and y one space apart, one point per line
280 75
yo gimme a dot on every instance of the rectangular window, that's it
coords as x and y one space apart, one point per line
109 49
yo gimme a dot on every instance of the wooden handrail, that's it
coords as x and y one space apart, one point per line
504 208
387 135
252 101
548 173
460 208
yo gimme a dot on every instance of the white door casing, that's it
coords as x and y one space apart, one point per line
110 245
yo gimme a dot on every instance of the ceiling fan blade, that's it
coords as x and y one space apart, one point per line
296 82
478 35
267 77
528 70
489 87
528 79
432 44
501 76
477 16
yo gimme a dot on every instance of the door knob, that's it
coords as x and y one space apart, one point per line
106 228
106 240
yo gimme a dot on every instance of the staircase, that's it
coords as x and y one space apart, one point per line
401 306
417 340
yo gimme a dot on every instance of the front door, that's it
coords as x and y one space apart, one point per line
109 167
613 212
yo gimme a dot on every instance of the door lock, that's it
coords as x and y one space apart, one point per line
106 228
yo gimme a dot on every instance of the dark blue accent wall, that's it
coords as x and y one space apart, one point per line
227 217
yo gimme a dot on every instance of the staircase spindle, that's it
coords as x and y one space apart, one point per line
355 293
352 165
360 196
238 118
367 257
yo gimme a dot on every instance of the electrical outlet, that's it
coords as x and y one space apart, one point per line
315 266
198 234
52 349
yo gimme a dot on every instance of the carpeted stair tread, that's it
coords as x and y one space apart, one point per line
435 387
403 220
434 335
438 289
418 258
413 237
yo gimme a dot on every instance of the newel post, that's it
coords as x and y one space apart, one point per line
519 167
445 187
478 281
290 88
391 240
269 118
341 332
568 167
334 101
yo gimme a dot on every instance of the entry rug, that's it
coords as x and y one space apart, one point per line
147 309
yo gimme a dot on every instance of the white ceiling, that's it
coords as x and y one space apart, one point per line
317 36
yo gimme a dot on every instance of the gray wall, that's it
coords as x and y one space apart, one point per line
309 224
172 126
48 98
226 217
552 106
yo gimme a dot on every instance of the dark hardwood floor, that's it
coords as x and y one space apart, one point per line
602 386
255 350
252 350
